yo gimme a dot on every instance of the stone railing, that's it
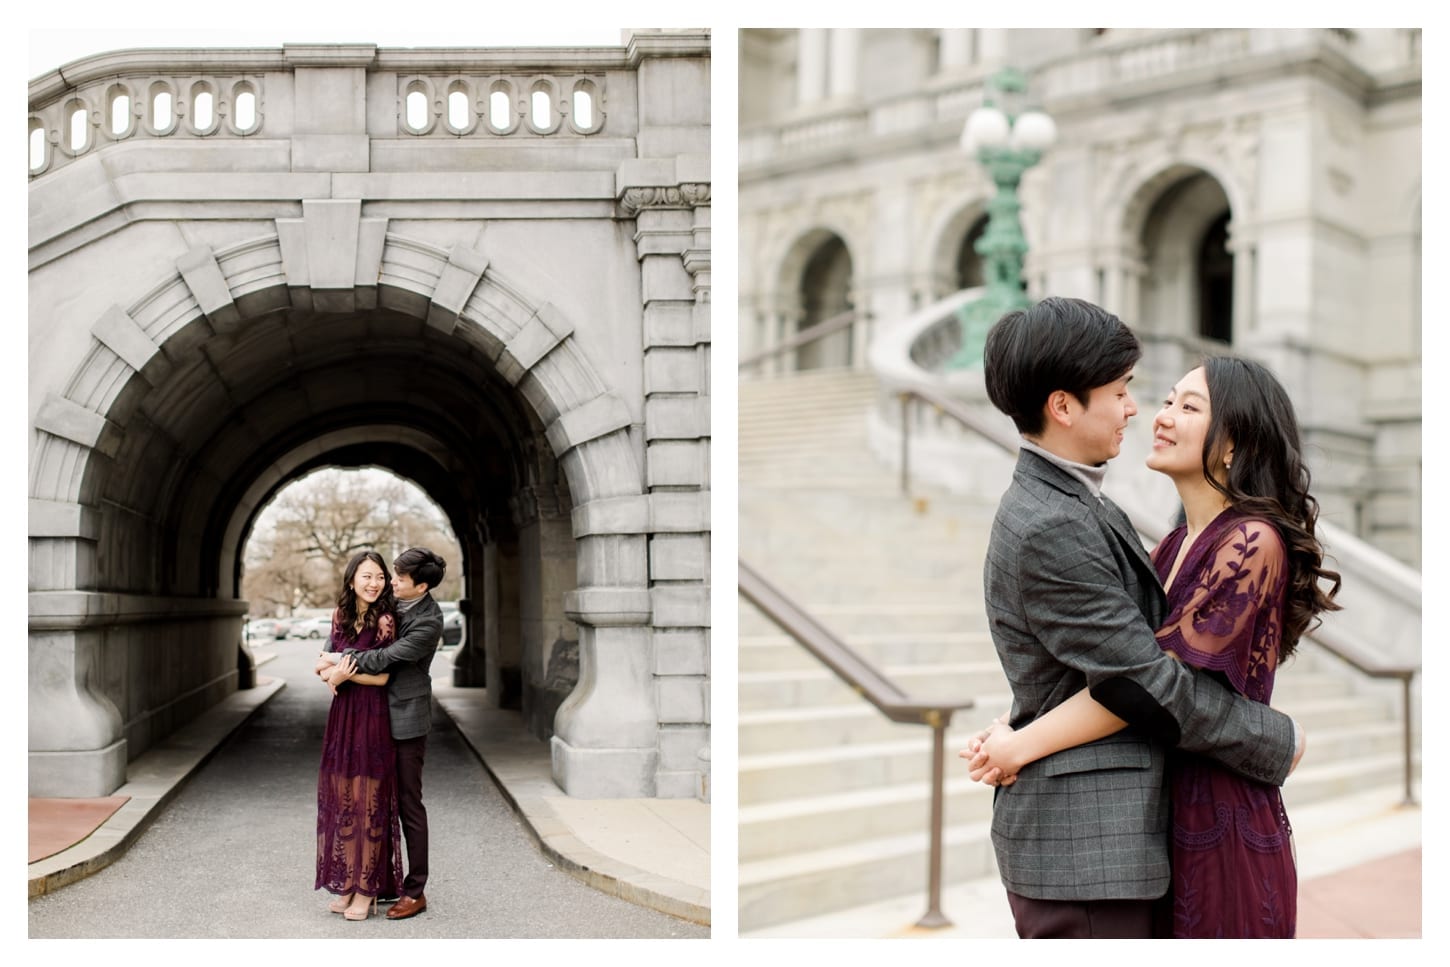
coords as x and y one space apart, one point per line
1088 75
1381 620
234 94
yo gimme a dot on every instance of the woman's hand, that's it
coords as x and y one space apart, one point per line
998 758
983 763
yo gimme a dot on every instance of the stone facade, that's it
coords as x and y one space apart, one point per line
1276 171
486 270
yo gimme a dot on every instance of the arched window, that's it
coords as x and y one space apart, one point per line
37 146
78 129
458 110
120 112
825 293
539 104
161 113
970 274
583 109
202 110
499 115
1216 283
246 110
417 110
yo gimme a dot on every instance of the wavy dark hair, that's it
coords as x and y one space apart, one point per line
1250 409
346 614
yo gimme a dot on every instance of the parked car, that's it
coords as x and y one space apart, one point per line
269 627
316 627
452 624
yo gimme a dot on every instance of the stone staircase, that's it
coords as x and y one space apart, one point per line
834 798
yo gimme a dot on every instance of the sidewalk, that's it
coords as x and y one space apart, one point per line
653 852
1359 864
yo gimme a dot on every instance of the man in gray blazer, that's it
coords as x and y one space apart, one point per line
1072 600
410 703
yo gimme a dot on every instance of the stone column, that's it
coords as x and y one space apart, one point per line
672 234
550 642
956 46
810 74
844 76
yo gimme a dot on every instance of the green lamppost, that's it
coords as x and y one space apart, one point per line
1006 143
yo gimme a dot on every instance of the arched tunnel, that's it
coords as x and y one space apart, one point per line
206 415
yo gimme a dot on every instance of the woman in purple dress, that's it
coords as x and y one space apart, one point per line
1242 581
359 855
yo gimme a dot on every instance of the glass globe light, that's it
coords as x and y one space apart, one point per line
1034 131
986 127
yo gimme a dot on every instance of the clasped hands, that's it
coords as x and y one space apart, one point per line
991 756
334 672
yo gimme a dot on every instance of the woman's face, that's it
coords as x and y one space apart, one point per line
367 581
1180 428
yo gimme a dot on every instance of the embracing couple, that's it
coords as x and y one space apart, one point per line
385 631
1138 770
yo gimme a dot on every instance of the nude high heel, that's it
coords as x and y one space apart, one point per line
341 904
350 914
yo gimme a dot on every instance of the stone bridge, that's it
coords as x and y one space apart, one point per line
487 270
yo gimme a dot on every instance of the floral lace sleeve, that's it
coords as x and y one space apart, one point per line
1226 613
387 629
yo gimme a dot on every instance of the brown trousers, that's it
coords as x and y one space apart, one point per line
409 757
1089 919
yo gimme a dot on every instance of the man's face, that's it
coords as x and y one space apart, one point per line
1097 429
404 589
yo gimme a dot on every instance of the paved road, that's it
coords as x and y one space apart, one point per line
233 854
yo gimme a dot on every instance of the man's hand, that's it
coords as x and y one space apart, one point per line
324 663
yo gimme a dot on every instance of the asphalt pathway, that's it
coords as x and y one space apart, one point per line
233 855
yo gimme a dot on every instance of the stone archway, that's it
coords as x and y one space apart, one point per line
816 282
112 553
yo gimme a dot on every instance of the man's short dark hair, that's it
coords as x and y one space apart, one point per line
422 566
1057 344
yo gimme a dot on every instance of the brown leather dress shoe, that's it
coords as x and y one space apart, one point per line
407 907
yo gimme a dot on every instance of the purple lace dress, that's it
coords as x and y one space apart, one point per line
359 840
1233 862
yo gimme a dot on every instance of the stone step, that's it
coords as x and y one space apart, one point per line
786 886
847 618
819 686
777 730
979 673
822 822
773 650
800 885
776 777
782 730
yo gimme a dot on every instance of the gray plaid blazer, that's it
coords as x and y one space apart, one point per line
1072 602
407 660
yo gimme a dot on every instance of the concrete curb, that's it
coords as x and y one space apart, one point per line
508 753
152 781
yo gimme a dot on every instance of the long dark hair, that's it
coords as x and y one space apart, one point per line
346 617
1268 478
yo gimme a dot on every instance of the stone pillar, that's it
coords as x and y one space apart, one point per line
810 74
844 77
550 642
77 748
956 47
672 218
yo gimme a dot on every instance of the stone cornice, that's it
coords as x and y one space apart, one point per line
242 60
688 195
667 43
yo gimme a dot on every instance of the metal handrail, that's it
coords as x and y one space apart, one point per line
881 692
1328 639
808 335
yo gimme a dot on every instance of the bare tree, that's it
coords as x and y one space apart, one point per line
303 540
